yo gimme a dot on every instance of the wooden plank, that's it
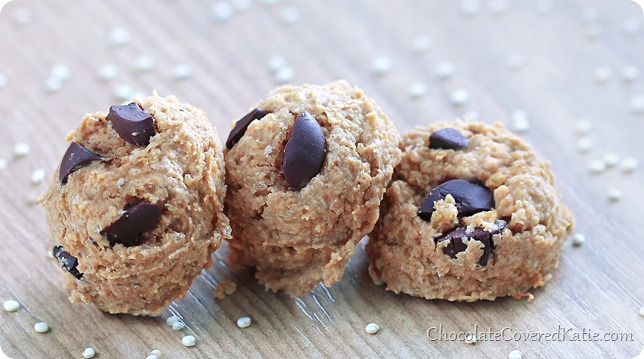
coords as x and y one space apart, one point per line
597 288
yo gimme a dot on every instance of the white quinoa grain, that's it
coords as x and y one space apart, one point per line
421 44
118 36
89 353
53 84
41 327
637 104
21 149
615 194
60 71
11 306
178 325
3 164
123 92
37 176
520 121
584 126
222 11
470 338
188 341
372 328
611 159
629 164
544 7
585 144
284 75
516 61
632 26
22 16
444 70
602 74
172 319
590 15
244 322
498 7
276 62
515 354
290 15
597 166
108 72
241 5
381 65
470 7
3 80
578 239
152 356
143 63
417 90
593 31
182 71
156 352
459 97
641 311
630 73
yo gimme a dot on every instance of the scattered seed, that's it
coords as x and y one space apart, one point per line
143 63
123 92
578 239
3 80
60 71
418 90
284 75
516 61
290 15
241 5
21 149
470 338
499 7
593 31
23 16
597 166
381 65
520 121
459 97
222 11
118 36
611 159
632 26
53 84
630 73
244 322
11 306
3 164
615 194
276 62
590 15
89 353
445 70
515 354
472 115
584 126
270 2
152 356
470 7
188 340
642 312
637 104
421 44
544 7
585 144
172 319
372 328
602 74
178 325
182 72
41 327
156 352
37 176
108 72
629 164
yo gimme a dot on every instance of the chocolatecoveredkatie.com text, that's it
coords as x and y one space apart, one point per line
558 334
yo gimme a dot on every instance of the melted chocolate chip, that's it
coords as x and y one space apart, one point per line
447 138
470 198
304 152
129 228
240 126
132 123
75 158
457 245
68 261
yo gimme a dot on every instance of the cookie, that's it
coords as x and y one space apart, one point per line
136 207
472 213
306 172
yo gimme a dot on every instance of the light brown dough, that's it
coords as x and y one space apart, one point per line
181 169
296 239
402 249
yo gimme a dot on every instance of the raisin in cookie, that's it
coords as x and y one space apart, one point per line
136 208
472 214
306 172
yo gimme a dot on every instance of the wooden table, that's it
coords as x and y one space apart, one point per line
555 65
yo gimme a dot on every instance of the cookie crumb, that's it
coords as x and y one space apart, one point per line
108 72
21 149
520 121
89 352
41 327
459 97
178 325
244 322
515 354
372 328
615 194
629 164
37 176
118 36
445 70
222 11
188 341
470 339
381 65
11 306
529 296
578 239
227 287
172 319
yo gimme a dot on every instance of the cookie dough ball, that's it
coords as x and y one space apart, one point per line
136 208
472 214
306 172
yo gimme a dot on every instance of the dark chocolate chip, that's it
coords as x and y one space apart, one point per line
75 158
132 123
470 198
304 152
68 261
447 138
129 228
240 126
457 245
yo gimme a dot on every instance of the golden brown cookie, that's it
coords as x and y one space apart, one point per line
136 207
472 214
306 172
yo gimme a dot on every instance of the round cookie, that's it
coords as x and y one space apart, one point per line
306 172
136 208
472 214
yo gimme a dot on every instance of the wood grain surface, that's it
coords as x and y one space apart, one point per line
574 58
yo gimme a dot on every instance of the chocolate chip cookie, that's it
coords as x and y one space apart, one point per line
306 171
472 214
136 208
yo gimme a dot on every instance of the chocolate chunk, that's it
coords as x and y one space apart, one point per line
240 126
304 152
457 245
75 158
132 123
129 228
470 198
68 261
447 138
